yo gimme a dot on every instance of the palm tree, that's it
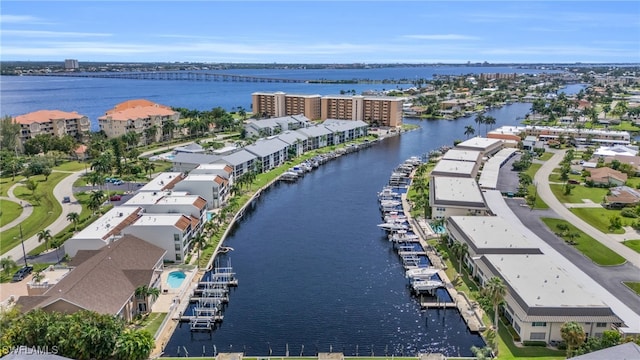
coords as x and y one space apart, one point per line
95 200
7 264
167 129
489 121
102 164
469 130
45 235
147 293
150 134
573 334
200 240
459 250
496 290
37 277
74 217
95 178
479 120
148 166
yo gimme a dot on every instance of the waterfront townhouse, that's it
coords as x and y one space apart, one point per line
271 153
296 141
241 161
486 146
274 126
487 235
171 202
463 155
450 196
491 168
184 162
278 104
171 232
374 110
577 136
52 122
213 188
317 137
453 168
542 295
104 281
105 230
345 130
163 181
220 168
137 116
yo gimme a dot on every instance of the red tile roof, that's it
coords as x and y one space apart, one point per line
42 116
137 109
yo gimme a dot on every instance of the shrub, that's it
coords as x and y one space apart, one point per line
534 343
628 213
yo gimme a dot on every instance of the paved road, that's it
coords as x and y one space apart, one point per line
544 192
64 188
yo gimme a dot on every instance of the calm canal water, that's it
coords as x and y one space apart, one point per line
315 271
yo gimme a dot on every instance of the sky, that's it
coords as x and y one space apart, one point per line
321 31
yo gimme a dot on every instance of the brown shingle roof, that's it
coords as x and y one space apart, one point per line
604 173
42 116
183 223
200 203
133 217
105 282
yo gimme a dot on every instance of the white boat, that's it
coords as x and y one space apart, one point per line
289 176
390 204
389 226
387 193
421 273
426 285
394 216
402 236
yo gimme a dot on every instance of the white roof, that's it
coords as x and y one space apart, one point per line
453 167
160 182
491 169
541 282
456 191
107 222
626 150
479 143
150 198
491 232
157 220
462 155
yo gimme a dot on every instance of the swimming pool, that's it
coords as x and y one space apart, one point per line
175 279
439 229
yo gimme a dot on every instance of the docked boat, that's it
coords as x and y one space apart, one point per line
392 226
401 236
426 285
289 176
424 273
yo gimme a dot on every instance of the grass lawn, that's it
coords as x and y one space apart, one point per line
7 182
532 170
578 193
590 247
633 182
72 166
539 203
152 322
546 156
599 218
633 244
507 350
555 177
43 214
625 126
635 286
9 211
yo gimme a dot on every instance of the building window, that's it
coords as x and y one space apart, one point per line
601 324
177 247
176 237
517 327
539 323
537 336
178 257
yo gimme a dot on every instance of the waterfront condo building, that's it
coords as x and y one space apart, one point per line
374 110
52 122
279 104
141 116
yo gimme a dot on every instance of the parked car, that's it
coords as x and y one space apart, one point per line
115 197
572 181
22 273
66 199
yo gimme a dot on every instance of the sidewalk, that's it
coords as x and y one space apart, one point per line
27 209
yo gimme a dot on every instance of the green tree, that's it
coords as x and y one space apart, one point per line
134 345
31 185
95 200
495 290
9 131
74 218
469 130
7 264
45 235
573 334
148 293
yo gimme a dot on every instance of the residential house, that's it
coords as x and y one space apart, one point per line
345 130
317 137
606 176
211 187
296 141
275 126
185 162
486 146
171 202
451 196
620 197
105 281
163 181
241 161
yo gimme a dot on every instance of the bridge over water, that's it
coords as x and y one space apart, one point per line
207 76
